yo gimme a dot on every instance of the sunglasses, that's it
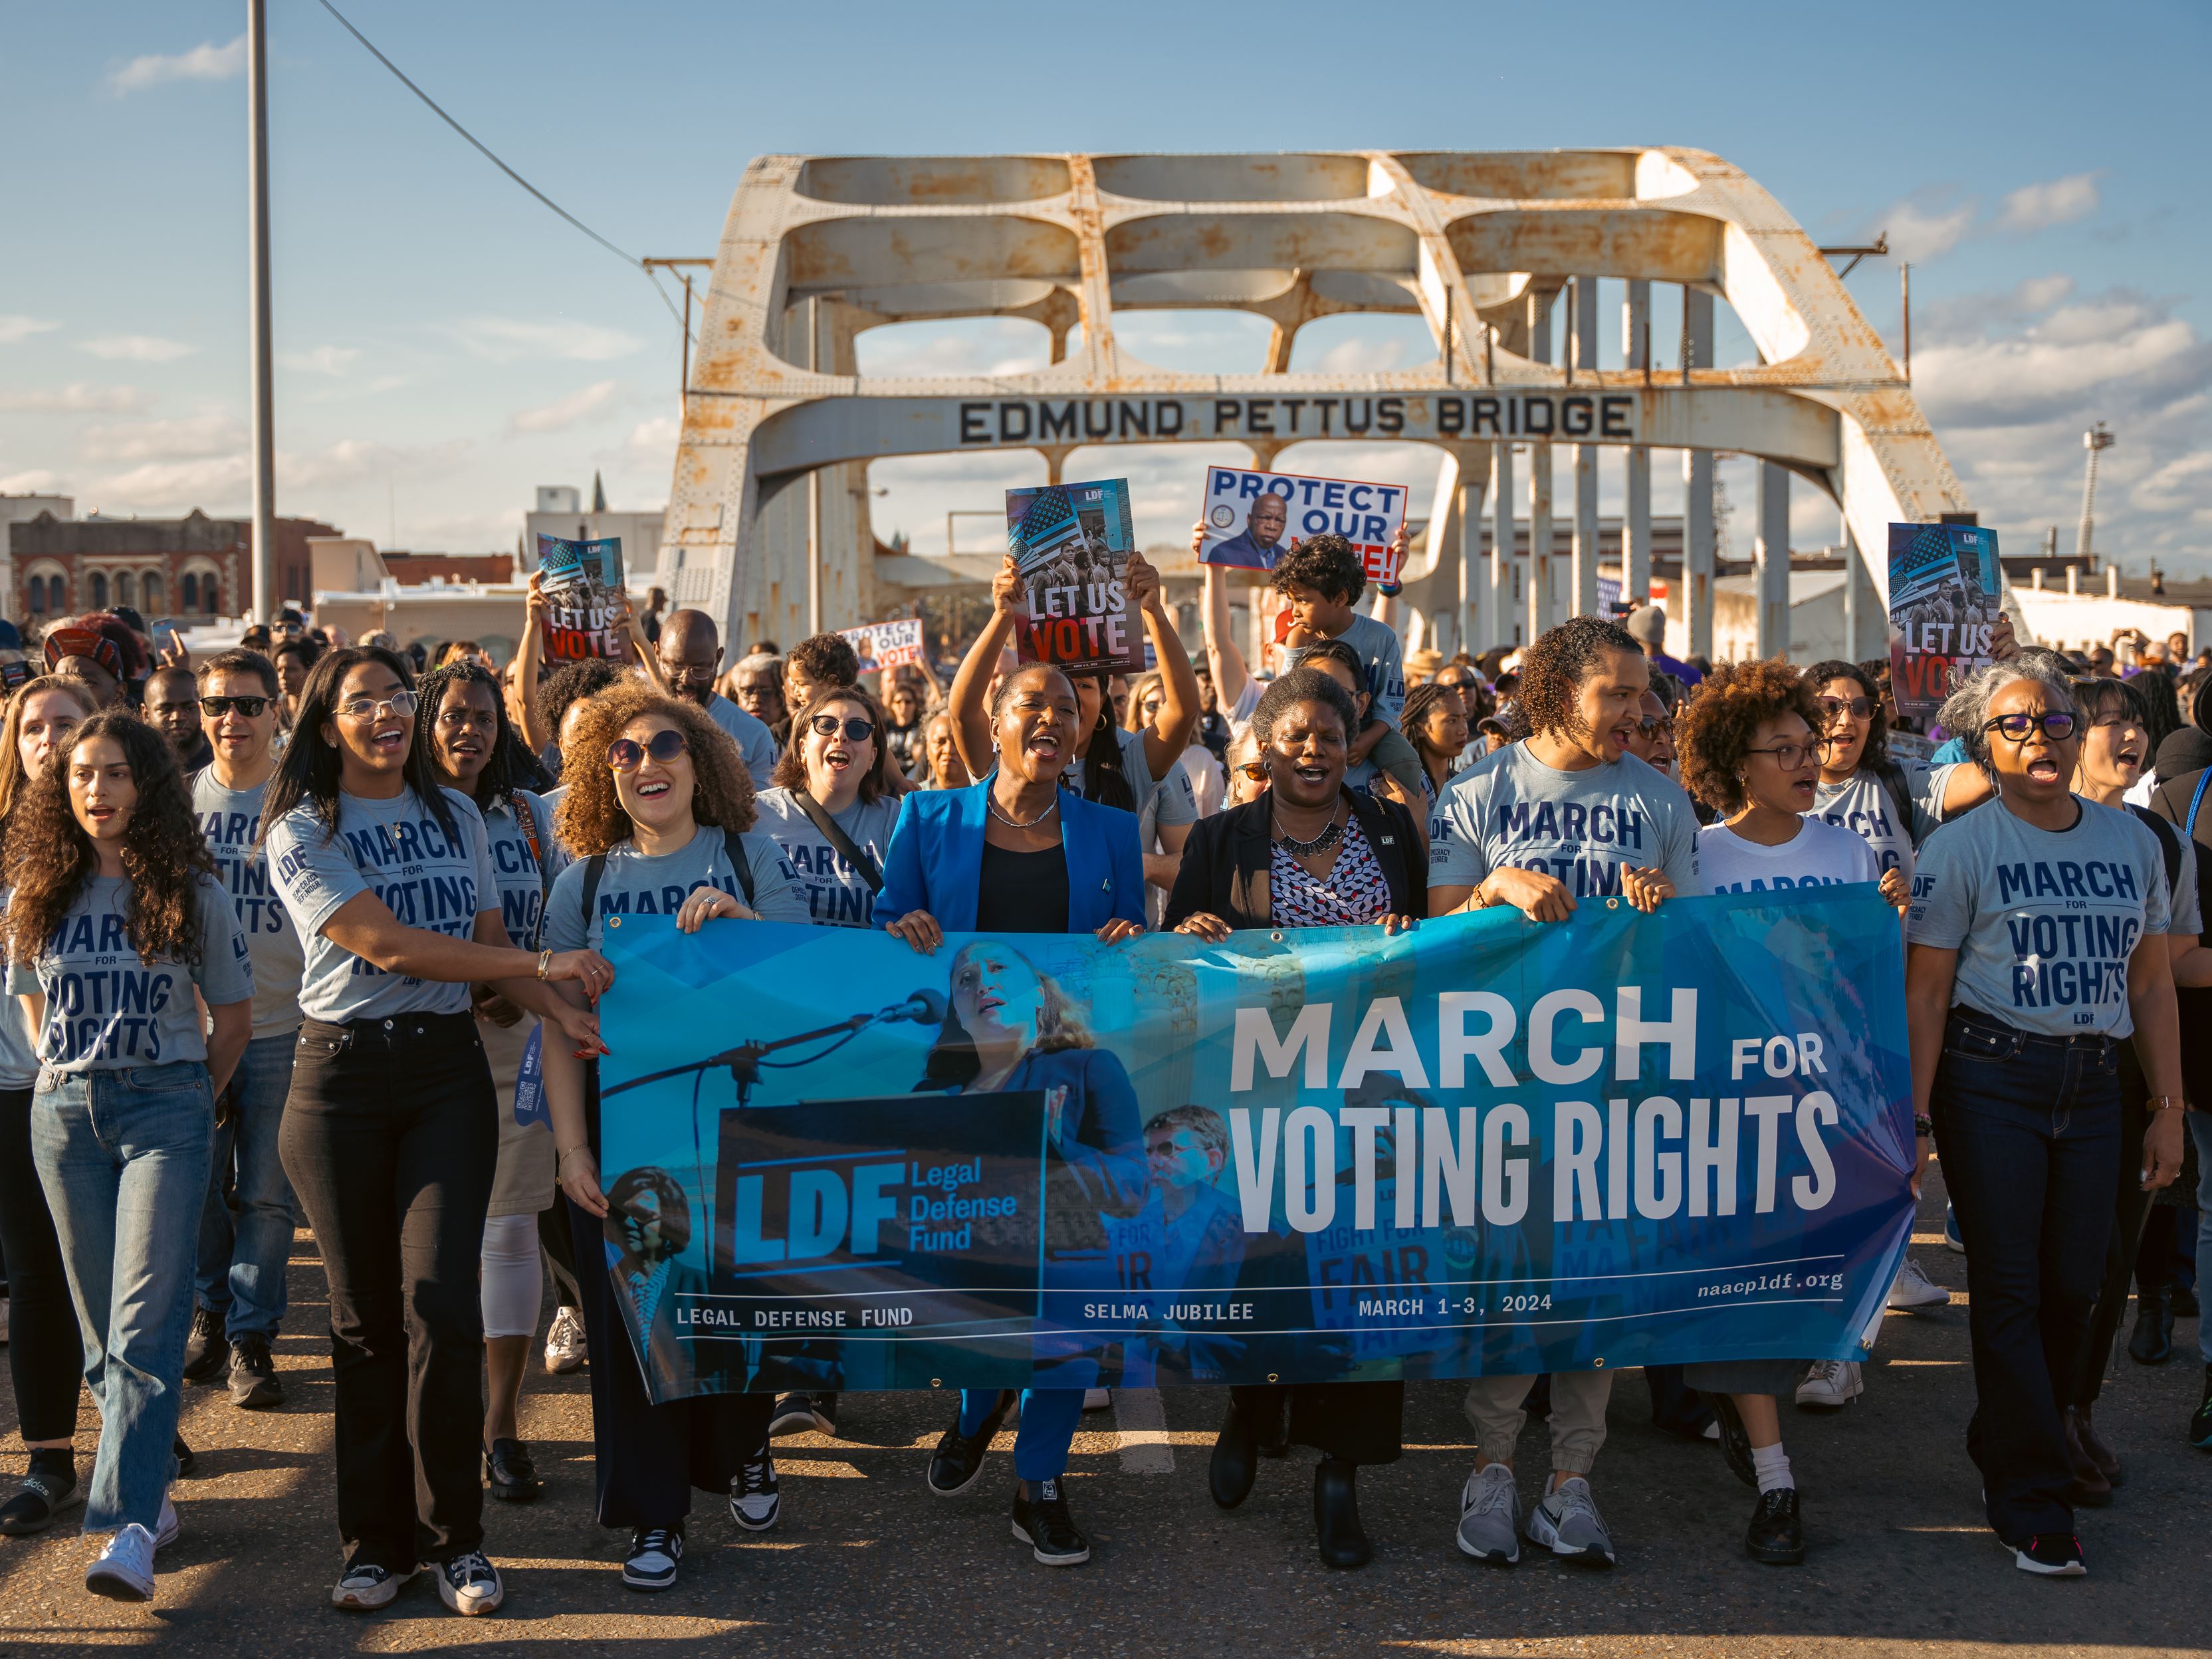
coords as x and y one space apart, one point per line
1255 770
856 729
1857 707
2058 726
1656 725
626 754
216 707
375 708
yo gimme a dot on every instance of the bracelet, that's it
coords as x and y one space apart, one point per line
1922 1124
2166 1103
544 962
561 1159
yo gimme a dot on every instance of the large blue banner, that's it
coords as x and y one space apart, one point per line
1484 1146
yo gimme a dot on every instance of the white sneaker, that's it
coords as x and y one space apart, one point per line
125 1571
1567 1523
754 1500
165 1529
1490 1515
470 1585
1914 1288
1831 1384
565 1349
1098 1400
363 1587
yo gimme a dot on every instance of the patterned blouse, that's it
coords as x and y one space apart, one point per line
1354 892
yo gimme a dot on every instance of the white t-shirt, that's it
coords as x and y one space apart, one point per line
1817 855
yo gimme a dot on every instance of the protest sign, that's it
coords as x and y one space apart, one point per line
885 644
1071 542
1252 519
1944 583
1483 1146
582 582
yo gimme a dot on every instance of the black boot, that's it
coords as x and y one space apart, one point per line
2153 1341
1236 1460
1337 1530
2200 1426
1776 1535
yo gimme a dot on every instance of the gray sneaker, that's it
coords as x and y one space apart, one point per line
1567 1523
1490 1515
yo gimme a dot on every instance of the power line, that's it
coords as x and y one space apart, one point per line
485 150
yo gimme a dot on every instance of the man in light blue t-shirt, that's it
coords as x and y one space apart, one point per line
690 655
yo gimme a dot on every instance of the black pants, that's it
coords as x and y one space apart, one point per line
390 1141
1353 1422
2131 1206
46 1355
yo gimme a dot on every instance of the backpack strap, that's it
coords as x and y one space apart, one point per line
2197 800
733 849
594 867
2168 843
1891 776
818 816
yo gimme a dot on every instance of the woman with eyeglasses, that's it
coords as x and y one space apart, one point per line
460 718
1894 805
1018 853
390 1133
2038 946
658 818
45 1359
1309 853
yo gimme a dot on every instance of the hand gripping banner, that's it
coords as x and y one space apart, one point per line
1487 1145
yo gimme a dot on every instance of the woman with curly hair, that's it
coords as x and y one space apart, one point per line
659 817
1436 726
1565 815
389 1134
43 1356
1895 804
115 920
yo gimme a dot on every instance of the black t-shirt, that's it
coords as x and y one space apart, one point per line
1022 892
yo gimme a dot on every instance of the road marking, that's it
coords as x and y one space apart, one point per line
1140 1420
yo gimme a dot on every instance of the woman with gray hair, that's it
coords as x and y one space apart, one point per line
2036 945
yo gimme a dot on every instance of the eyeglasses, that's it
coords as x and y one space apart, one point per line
681 674
216 707
856 729
1656 725
1255 770
375 708
1789 755
1857 707
626 754
2056 724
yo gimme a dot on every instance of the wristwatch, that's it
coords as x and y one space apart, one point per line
1922 1124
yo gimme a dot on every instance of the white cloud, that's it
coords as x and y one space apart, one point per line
1917 232
212 432
565 412
40 481
2054 202
2055 366
509 339
220 482
16 328
323 360
1357 356
656 438
77 398
2039 294
138 348
992 345
205 62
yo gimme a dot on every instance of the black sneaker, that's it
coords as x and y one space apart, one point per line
1044 1523
2053 1554
470 1585
754 1502
655 1555
206 1353
957 1462
254 1385
43 1492
1776 1535
2200 1426
794 1413
365 1585
188 1460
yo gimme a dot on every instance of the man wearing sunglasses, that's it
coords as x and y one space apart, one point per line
241 1278
686 662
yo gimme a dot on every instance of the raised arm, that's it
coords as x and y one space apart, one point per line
1223 655
529 656
971 720
1169 735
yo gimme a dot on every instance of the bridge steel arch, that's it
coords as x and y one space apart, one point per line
767 527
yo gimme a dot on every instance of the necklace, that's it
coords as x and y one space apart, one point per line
1331 833
991 799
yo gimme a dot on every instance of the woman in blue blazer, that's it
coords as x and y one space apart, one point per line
1016 853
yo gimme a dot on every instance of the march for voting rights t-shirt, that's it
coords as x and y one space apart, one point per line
1817 855
108 1008
755 743
520 856
837 894
1378 646
2043 921
231 821
1861 804
1583 827
633 884
427 876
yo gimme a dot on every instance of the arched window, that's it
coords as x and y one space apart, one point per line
125 587
150 586
100 590
208 597
191 591
35 596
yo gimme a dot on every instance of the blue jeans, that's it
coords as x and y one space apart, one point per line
123 1156
2028 1128
242 1263
1049 1417
2200 1126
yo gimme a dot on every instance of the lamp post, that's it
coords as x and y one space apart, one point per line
265 420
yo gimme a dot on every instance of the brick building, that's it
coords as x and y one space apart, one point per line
194 566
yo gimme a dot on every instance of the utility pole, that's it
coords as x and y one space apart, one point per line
2097 438
264 413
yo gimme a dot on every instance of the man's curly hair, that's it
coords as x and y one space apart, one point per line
829 659
790 769
1327 563
592 820
50 857
1714 730
1553 669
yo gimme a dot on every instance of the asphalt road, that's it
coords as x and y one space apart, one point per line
866 1563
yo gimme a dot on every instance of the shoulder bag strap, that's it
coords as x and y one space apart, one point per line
818 816
733 849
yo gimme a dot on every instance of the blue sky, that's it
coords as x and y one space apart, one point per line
446 343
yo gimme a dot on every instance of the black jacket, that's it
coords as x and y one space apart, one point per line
1225 862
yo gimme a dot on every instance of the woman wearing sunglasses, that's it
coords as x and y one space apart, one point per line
1309 853
2038 946
1018 853
1894 805
389 1134
659 817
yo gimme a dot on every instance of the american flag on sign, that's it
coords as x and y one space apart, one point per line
1046 528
